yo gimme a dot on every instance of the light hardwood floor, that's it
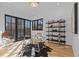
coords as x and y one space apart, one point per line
60 50
57 50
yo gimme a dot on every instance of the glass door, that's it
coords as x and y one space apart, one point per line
13 26
20 29
27 29
10 26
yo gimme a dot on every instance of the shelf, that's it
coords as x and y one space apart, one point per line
53 40
56 36
56 22
53 35
57 27
62 41
56 31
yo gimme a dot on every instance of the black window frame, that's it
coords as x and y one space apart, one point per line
38 25
16 31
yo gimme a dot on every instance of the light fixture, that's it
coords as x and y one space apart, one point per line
34 4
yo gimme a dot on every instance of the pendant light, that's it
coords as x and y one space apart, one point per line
34 4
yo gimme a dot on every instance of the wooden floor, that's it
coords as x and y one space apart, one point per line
57 50
60 50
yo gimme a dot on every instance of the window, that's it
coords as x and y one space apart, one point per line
37 24
17 27
10 26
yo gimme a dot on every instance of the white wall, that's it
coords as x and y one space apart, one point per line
48 11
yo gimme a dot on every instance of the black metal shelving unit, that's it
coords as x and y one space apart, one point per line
56 31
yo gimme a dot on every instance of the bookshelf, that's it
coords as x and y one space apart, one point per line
56 31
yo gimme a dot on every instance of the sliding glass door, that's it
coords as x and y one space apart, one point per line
10 26
27 29
13 27
18 28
